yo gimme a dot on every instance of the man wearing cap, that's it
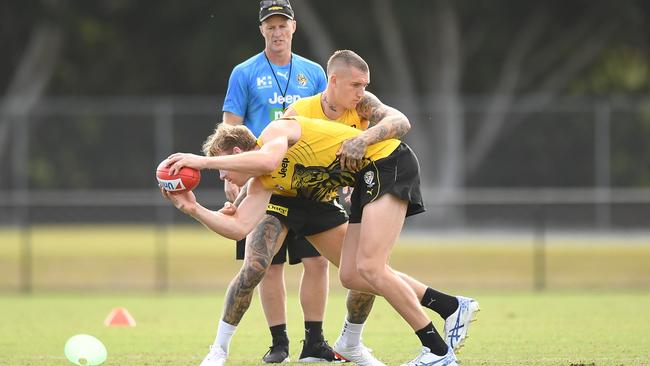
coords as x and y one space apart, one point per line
259 90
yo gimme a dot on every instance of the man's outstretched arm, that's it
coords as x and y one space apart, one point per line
235 226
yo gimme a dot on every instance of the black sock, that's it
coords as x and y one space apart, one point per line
313 332
442 304
279 334
432 340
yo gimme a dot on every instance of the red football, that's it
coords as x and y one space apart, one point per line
186 180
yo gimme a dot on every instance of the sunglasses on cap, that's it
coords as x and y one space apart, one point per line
269 3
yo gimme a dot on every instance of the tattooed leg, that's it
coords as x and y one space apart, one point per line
261 245
359 305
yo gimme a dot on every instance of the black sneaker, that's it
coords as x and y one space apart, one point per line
319 352
277 353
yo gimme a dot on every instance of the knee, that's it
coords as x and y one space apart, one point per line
252 273
315 265
370 271
349 278
274 271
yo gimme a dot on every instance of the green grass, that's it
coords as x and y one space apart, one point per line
594 312
514 328
125 257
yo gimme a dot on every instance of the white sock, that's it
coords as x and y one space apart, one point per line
225 332
351 334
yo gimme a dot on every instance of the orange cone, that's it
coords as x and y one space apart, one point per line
119 317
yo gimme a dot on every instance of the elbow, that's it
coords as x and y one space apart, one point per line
269 165
402 128
228 226
406 125
236 233
238 236
240 229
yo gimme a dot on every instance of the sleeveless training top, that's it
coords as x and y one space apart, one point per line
310 169
311 107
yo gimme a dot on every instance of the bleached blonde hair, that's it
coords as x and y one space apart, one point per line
226 137
346 58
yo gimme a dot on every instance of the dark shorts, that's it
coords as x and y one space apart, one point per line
397 174
297 246
303 218
306 217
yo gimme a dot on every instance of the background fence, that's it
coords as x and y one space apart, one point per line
580 166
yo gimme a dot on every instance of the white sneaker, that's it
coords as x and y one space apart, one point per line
457 324
358 354
426 358
216 357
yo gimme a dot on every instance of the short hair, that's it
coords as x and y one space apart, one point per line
226 137
346 58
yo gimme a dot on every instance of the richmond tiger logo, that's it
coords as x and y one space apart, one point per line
320 183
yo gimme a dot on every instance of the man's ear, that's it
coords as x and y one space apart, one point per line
332 79
236 150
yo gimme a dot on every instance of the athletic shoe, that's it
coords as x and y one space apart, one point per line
277 353
216 357
457 324
427 358
358 354
319 352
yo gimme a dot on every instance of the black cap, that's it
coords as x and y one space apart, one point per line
275 7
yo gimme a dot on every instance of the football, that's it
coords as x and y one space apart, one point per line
186 180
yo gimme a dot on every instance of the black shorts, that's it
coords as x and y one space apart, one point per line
297 246
306 217
397 174
303 218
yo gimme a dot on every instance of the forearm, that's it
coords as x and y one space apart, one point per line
227 226
252 162
394 125
385 122
236 226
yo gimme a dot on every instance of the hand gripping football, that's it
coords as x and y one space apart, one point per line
186 180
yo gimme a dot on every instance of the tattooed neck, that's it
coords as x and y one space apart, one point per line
330 106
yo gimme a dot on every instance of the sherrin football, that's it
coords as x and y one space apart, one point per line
186 180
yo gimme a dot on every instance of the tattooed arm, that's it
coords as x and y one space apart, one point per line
384 123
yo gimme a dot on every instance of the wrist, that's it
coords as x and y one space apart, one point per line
203 163
365 139
192 210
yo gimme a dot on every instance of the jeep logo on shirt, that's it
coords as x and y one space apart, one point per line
284 166
279 99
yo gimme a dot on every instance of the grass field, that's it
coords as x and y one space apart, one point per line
594 311
127 257
514 328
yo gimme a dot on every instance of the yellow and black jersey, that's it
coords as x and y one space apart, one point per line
311 107
310 169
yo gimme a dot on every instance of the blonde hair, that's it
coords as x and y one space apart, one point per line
348 59
226 137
